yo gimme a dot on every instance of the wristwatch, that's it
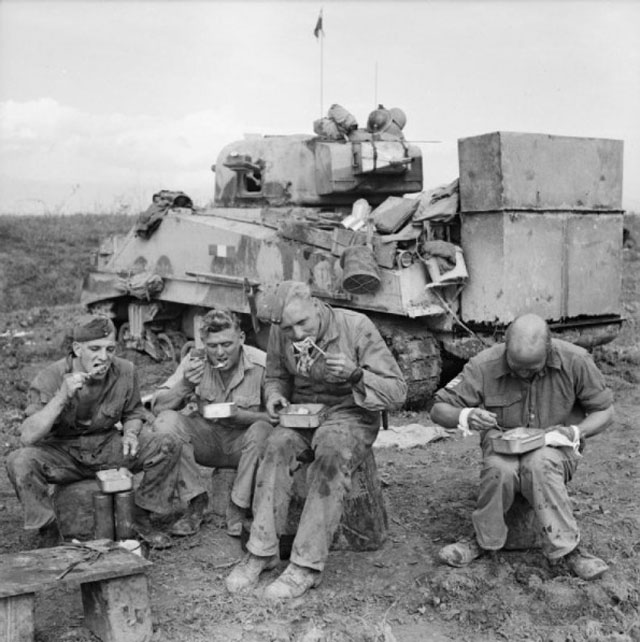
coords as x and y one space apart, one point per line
356 375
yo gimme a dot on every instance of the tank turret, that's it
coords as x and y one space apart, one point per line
532 225
311 171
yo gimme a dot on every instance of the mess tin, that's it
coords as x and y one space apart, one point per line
114 480
219 410
518 441
302 415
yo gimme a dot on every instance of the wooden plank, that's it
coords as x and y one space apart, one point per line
37 570
304 233
16 618
118 610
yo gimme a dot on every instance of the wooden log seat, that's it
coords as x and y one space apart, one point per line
112 580
364 523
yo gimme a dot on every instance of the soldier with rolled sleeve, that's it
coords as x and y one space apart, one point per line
227 371
71 431
532 381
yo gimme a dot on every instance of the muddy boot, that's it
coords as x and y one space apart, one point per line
294 582
247 573
584 565
461 553
147 532
190 522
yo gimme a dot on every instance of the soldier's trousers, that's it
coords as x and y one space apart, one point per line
209 444
338 447
540 476
32 468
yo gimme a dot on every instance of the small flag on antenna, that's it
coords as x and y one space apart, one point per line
318 28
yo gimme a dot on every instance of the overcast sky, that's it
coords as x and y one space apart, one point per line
104 103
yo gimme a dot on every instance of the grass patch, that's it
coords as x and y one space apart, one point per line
43 259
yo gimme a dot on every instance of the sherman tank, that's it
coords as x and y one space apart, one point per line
533 223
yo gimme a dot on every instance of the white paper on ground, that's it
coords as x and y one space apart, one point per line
409 436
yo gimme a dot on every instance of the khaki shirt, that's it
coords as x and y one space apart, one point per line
245 385
382 385
570 378
118 399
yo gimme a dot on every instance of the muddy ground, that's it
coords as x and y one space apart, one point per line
400 592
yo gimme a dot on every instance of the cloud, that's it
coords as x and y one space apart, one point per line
59 150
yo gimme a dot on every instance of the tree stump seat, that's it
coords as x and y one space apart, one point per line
112 581
364 523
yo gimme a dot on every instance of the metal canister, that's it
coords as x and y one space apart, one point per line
124 514
103 516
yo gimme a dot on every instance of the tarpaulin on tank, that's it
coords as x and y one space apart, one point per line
439 204
143 285
393 213
164 200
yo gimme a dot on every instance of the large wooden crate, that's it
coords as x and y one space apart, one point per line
512 171
557 264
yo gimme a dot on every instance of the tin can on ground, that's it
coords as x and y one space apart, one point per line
103 516
124 515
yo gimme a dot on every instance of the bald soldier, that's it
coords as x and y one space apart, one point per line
535 382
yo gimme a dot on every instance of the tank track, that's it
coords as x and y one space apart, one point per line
417 352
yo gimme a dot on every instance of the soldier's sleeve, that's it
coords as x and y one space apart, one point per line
382 386
44 386
277 378
133 408
591 389
466 389
176 376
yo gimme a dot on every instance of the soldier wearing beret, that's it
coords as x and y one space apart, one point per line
71 431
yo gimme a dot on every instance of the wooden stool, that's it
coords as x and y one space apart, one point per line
364 523
112 581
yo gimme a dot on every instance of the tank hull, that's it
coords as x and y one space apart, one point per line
526 239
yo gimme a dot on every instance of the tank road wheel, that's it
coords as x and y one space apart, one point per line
167 347
417 352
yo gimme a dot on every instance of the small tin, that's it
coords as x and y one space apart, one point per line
103 516
219 410
114 480
124 515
